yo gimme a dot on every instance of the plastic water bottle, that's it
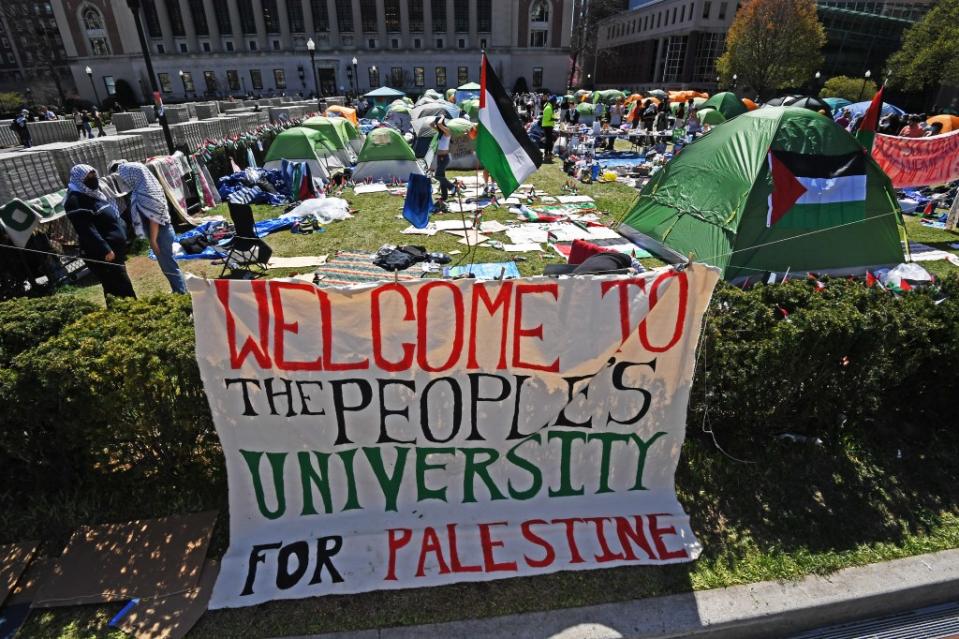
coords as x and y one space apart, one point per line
595 174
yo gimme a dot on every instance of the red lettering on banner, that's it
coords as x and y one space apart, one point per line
422 318
657 534
575 557
395 543
519 332
376 319
608 555
635 534
527 528
262 353
326 315
431 544
680 312
623 287
455 553
281 327
489 544
502 300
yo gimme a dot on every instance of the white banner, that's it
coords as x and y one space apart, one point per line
422 433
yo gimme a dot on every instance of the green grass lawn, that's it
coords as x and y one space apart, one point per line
797 510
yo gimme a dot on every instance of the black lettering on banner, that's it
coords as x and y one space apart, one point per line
256 557
340 408
247 404
619 371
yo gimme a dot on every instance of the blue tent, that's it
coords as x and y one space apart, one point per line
859 108
384 92
468 91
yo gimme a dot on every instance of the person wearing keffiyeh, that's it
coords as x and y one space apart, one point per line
148 205
101 231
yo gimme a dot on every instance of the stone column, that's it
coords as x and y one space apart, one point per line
307 17
213 26
334 24
165 26
405 40
429 40
473 26
261 35
381 34
236 25
284 17
189 28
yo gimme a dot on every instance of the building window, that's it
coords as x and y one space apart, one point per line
176 18
347 40
461 16
199 18
673 20
419 76
321 16
439 43
152 18
539 24
368 17
675 58
682 14
417 43
209 79
183 48
483 44
233 80
374 77
391 11
439 16
161 49
279 78
461 43
270 16
92 19
537 77
344 16
228 45
462 75
222 12
371 43
187 78
722 10
110 85
706 7
206 47
294 12
394 43
165 85
96 35
441 76
256 79
659 19
252 45
396 77
247 21
416 16
710 47
276 45
484 16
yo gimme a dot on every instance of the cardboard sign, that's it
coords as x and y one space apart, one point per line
410 434
918 161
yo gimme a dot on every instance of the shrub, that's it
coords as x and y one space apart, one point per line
25 323
852 89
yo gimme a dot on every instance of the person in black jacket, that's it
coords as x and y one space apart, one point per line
102 233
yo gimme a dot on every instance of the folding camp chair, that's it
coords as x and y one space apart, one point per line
246 252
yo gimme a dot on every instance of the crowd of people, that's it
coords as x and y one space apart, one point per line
85 121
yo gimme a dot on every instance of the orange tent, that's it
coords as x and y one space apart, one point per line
949 122
636 97
346 112
752 106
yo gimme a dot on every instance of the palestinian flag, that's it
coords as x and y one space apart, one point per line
866 133
502 146
816 191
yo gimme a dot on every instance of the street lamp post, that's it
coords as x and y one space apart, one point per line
311 47
93 84
161 115
356 80
865 76
816 83
735 80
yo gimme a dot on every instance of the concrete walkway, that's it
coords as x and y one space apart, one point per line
765 609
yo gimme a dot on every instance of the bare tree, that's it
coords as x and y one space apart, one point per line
582 43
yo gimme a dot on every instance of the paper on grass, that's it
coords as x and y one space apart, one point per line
574 199
492 226
297 262
376 187
522 248
448 225
430 230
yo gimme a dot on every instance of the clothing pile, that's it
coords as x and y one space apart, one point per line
399 258
254 186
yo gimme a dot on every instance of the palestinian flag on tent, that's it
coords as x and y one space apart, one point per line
816 191
502 146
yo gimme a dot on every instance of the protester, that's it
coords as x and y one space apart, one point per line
19 126
547 123
636 115
101 232
615 121
693 126
912 130
78 121
442 160
148 206
844 119
47 114
649 115
98 122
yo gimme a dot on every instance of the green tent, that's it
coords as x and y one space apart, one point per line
326 128
712 117
726 103
377 112
470 107
714 200
302 144
386 156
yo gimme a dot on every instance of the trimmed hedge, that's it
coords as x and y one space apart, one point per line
111 399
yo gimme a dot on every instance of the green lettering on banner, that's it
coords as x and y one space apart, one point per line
607 440
310 477
479 469
566 439
641 462
277 461
352 502
528 466
390 484
422 466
